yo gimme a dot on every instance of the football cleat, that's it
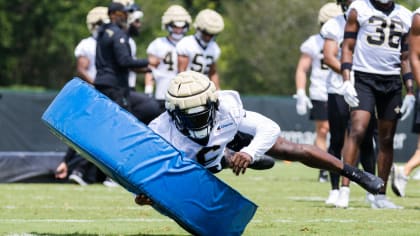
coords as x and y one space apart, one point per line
382 202
343 198
398 180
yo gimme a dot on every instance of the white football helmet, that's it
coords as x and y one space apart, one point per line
191 100
96 17
177 15
125 2
384 1
209 21
328 11
133 16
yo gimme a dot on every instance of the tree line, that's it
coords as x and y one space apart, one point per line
260 42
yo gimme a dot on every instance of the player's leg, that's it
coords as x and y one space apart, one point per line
319 114
389 97
143 107
338 115
314 157
367 147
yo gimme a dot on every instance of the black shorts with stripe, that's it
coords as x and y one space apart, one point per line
379 93
319 110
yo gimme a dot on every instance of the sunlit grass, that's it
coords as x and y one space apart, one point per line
290 200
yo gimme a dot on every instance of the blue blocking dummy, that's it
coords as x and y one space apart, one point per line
142 162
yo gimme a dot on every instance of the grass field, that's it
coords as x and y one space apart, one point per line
291 202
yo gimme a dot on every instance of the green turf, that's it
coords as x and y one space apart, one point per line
291 202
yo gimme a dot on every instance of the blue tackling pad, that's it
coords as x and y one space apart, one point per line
142 162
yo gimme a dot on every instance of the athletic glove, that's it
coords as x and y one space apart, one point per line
350 94
302 102
407 106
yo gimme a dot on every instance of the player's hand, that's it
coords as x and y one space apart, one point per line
302 102
350 94
407 106
61 171
240 161
143 200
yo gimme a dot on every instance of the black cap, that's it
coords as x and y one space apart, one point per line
116 6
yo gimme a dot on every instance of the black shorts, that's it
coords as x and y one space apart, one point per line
416 118
380 92
319 110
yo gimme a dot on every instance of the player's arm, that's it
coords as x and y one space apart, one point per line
302 68
330 51
414 48
265 133
350 35
82 69
148 77
182 63
214 76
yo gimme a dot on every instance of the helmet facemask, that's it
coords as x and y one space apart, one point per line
179 24
196 122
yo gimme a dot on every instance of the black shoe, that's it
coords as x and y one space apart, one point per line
262 163
368 181
77 177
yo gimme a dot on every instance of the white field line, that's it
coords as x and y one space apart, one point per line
83 220
255 221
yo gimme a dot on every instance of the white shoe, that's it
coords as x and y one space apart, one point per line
110 183
343 198
332 197
382 202
370 198
398 180
77 178
416 175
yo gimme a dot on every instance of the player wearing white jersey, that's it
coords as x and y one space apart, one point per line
399 174
202 123
199 52
176 20
338 110
85 51
375 47
312 59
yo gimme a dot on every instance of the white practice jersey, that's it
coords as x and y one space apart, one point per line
333 29
417 11
87 48
319 71
200 59
164 49
132 76
378 47
230 118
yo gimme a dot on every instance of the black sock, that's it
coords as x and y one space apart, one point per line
351 172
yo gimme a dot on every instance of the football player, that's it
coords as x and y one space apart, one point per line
399 174
199 52
176 20
202 122
375 47
86 50
312 59
338 109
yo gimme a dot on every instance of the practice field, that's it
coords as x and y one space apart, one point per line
291 202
